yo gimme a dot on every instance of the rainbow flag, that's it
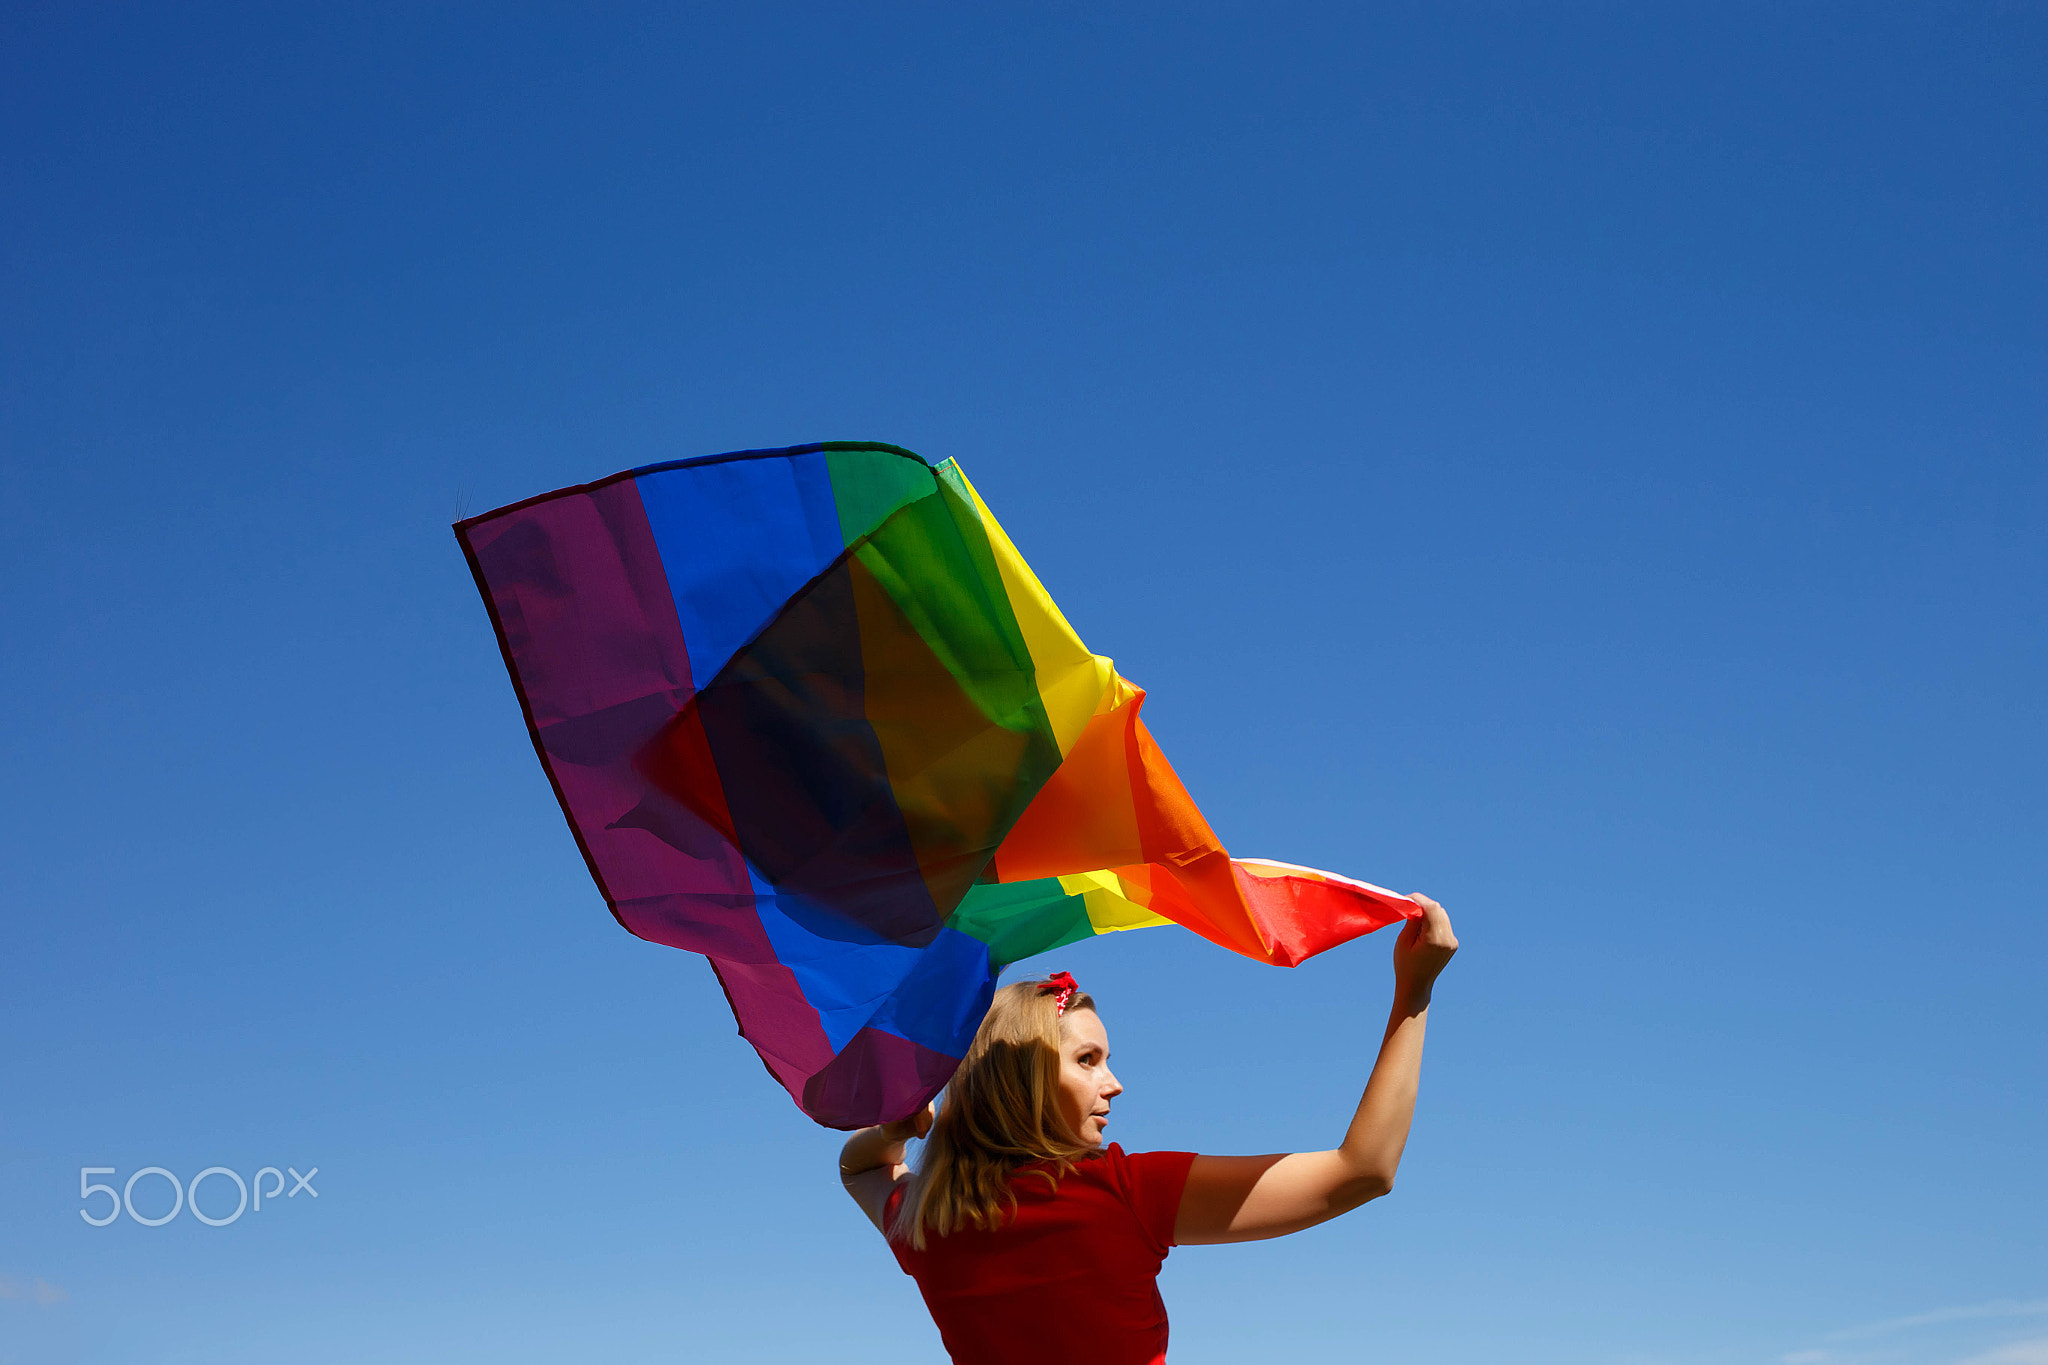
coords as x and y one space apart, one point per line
810 714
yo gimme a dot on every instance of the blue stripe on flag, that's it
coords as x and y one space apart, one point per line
737 540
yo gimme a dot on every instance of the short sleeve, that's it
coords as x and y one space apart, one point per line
1155 1181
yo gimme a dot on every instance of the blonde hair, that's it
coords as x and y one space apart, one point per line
1000 1111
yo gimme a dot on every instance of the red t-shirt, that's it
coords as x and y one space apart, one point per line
1073 1275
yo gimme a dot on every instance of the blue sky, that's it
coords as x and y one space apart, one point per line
1582 461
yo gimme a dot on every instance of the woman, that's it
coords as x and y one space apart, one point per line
1031 1241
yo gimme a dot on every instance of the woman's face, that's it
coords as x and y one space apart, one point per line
1086 1082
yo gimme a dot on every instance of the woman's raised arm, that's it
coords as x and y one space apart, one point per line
871 1162
1247 1198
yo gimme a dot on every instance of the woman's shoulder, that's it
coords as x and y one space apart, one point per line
1123 1160
1113 1162
1136 1177
1150 1166
1149 1184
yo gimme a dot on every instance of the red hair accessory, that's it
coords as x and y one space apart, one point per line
1062 985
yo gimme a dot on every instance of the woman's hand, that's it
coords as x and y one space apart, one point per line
916 1126
1424 948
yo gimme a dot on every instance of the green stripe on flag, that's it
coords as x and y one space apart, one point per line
1019 919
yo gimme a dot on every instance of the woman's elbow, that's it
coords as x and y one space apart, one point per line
1363 1189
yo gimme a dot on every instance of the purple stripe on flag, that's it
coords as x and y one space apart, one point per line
875 1069
589 629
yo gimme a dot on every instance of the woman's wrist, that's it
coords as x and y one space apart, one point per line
868 1149
1412 996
